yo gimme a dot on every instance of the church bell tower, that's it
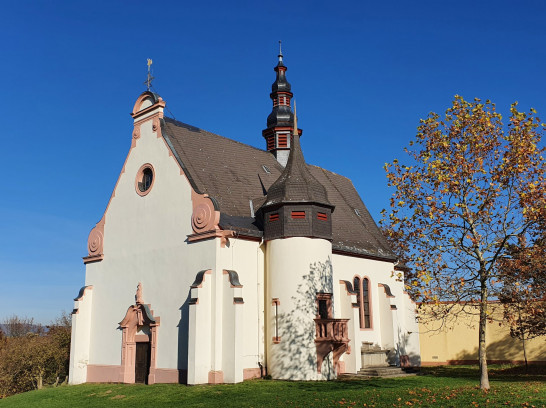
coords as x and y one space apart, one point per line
297 233
280 122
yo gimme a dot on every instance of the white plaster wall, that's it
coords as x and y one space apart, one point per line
297 268
145 241
79 346
409 332
346 268
232 333
247 259
345 310
200 326
402 320
386 317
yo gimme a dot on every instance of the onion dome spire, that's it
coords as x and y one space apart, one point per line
280 122
297 203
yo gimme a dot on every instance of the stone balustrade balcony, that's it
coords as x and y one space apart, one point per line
331 335
331 330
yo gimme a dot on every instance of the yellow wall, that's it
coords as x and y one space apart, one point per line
458 344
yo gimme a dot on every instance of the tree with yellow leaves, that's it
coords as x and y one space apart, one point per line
470 188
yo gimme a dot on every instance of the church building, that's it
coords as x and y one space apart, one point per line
217 262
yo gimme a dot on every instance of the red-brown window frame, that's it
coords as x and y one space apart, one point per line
364 301
327 298
298 215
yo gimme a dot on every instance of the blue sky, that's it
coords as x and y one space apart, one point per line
363 74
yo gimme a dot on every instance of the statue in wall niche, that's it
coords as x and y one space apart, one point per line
138 296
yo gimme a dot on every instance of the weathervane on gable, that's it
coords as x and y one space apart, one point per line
149 78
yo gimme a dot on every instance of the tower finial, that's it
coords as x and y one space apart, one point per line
149 77
280 51
295 131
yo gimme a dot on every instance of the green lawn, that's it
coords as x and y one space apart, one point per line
438 387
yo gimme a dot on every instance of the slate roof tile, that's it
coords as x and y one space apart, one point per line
233 174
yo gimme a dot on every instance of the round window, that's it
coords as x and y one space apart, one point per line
145 179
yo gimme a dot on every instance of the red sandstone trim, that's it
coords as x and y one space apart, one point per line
134 318
136 132
224 236
341 367
97 373
110 374
169 376
250 373
276 302
135 135
361 301
142 338
91 259
207 272
370 303
385 290
342 282
85 289
328 298
231 285
205 217
137 112
216 377
95 243
138 179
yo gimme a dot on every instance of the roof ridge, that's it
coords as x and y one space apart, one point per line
187 125
179 123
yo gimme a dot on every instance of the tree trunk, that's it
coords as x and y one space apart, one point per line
522 332
484 375
525 352
39 382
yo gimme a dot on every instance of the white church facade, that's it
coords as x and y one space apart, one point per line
215 261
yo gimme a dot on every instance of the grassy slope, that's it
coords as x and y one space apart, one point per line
440 387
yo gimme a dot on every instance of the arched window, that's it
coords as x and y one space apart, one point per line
362 289
366 304
356 285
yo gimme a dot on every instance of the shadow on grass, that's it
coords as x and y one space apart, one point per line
496 372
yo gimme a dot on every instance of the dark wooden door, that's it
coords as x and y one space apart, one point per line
142 363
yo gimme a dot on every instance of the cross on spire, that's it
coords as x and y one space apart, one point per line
149 77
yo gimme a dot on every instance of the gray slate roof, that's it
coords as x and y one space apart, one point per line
237 176
296 183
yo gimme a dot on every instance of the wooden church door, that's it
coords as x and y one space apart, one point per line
142 362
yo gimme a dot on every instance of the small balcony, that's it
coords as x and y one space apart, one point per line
331 330
331 335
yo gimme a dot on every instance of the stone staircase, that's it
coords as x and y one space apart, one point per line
390 371
374 364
